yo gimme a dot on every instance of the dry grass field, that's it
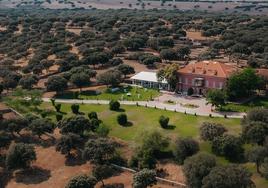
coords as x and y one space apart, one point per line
134 4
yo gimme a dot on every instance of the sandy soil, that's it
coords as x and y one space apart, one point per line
196 35
19 31
195 52
118 4
77 31
173 171
2 28
51 170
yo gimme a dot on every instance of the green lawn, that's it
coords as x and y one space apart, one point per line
123 93
146 119
257 102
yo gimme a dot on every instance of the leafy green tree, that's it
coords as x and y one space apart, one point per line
122 119
15 125
5 139
257 155
255 126
184 148
118 49
27 82
216 98
240 48
265 168
209 131
1 88
183 52
102 130
56 83
243 83
228 146
163 121
228 177
115 62
102 172
59 117
69 142
75 108
41 126
197 167
153 143
11 80
82 181
76 124
80 80
110 78
57 107
93 115
144 178
126 69
256 115
255 132
99 150
19 156
114 105
134 43
169 73
84 69
168 54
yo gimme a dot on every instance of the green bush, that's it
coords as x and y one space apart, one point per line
163 121
122 119
57 107
59 117
93 115
114 105
75 108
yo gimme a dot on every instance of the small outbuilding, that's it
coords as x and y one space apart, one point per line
149 80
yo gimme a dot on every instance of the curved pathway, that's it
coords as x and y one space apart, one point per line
155 104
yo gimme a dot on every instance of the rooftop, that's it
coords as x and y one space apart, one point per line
209 68
147 76
262 72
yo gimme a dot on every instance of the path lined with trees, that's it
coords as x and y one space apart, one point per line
154 104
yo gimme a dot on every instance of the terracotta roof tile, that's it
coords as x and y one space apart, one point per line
209 68
262 72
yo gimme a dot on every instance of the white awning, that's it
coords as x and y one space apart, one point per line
148 77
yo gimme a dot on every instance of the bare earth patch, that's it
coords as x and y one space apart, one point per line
3 28
52 163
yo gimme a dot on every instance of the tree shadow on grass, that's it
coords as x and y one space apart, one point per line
170 127
63 113
120 110
34 175
128 124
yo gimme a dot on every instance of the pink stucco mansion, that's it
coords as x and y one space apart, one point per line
202 76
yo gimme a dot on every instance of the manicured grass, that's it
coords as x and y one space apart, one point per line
123 93
146 119
257 102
